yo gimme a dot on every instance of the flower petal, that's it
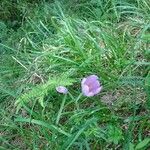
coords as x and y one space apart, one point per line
90 85
97 90
62 89
94 86
95 77
90 94
90 79
85 90
83 81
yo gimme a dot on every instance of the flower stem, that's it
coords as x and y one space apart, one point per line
61 109
76 101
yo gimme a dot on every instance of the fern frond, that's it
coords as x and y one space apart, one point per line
40 91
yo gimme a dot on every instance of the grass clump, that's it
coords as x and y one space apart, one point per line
59 43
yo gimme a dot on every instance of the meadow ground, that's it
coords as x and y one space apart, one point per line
44 44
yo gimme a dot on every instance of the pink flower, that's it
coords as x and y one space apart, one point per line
90 86
62 89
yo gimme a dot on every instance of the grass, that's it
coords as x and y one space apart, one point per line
59 43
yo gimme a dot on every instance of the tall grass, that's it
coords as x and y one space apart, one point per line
60 43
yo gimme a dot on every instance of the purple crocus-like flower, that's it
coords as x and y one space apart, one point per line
90 86
62 89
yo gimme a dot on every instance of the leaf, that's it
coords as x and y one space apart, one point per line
136 118
142 144
41 101
147 89
114 134
44 124
75 136
131 146
142 63
40 91
131 80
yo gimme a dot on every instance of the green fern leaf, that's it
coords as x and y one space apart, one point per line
40 91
